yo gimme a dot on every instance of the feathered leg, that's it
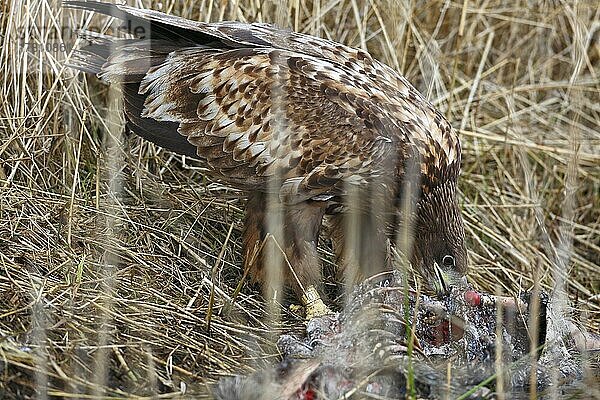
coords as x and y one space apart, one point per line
299 265
360 245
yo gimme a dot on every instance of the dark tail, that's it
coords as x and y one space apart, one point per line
125 61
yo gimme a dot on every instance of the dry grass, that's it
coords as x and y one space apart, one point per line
109 247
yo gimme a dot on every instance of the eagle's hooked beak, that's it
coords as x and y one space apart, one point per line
441 282
445 280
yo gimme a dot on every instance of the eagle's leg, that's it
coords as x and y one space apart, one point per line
346 261
299 266
302 224
253 238
360 246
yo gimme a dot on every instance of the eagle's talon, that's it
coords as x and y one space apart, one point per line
296 309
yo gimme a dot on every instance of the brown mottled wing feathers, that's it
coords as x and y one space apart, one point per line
264 112
256 101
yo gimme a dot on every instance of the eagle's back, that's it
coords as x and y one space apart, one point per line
254 101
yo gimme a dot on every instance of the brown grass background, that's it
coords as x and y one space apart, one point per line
110 247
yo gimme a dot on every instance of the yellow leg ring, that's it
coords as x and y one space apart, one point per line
314 304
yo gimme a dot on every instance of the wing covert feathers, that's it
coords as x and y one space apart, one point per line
254 101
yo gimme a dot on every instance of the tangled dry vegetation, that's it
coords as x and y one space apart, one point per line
110 248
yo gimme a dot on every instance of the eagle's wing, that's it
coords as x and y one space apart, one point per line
256 102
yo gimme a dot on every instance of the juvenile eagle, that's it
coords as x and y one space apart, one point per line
323 128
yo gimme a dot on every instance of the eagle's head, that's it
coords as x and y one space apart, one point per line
439 247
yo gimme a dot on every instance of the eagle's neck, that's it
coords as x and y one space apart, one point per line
437 204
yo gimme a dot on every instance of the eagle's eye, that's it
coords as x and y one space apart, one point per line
448 261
